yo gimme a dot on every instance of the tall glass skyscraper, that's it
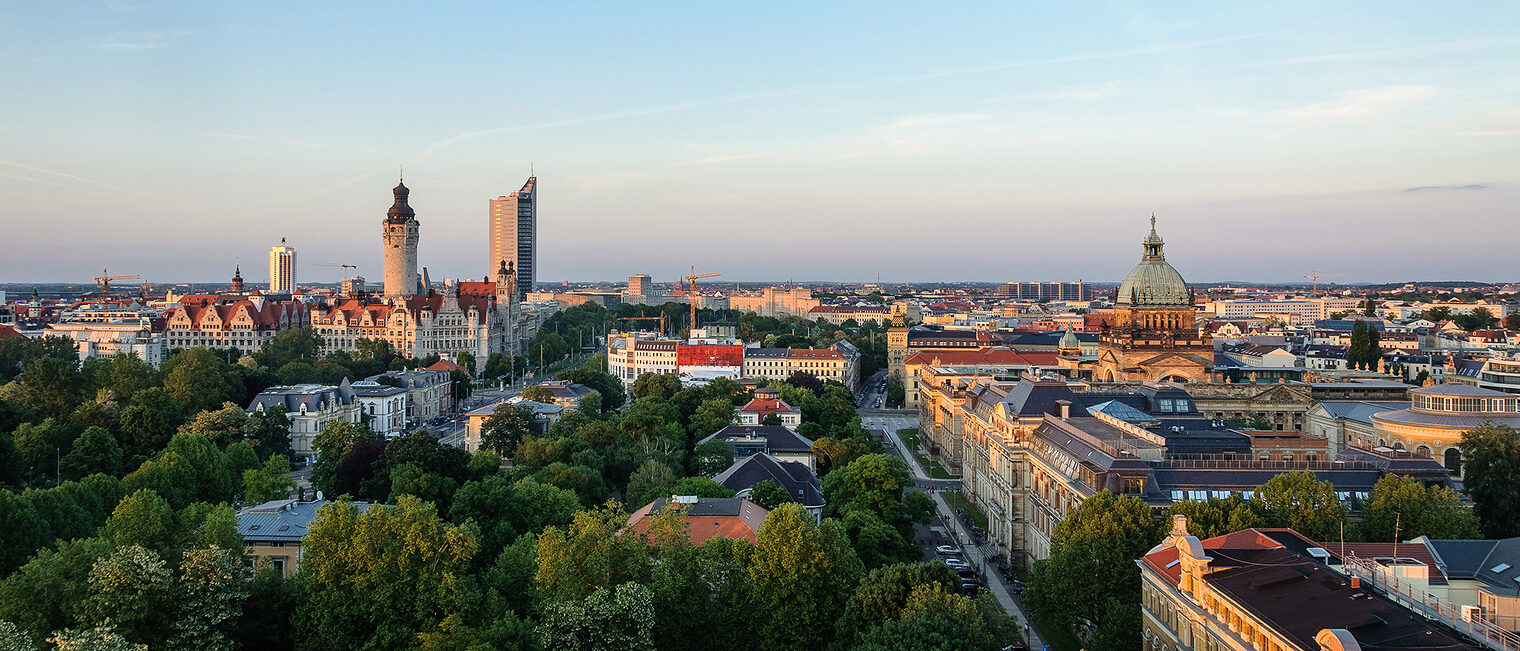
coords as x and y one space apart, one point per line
514 234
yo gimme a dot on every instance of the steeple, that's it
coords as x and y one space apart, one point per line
1153 243
400 211
237 279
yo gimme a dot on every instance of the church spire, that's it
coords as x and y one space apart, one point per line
1153 243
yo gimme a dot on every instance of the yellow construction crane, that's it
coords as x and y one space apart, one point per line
1315 276
105 279
346 267
660 318
691 291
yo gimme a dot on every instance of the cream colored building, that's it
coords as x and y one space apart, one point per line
479 318
1437 417
273 532
775 302
94 340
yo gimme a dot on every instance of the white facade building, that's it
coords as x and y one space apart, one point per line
382 406
282 268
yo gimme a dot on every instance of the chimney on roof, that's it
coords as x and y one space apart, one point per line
1065 408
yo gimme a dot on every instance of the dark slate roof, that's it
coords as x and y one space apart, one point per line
793 477
292 398
777 438
1345 325
1030 339
281 520
1462 559
1170 477
1034 398
705 507
765 353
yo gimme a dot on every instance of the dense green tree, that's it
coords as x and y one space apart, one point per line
272 603
50 386
505 428
332 446
145 520
191 469
134 589
1092 561
213 584
1402 508
374 348
503 509
620 618
882 594
1215 516
411 479
656 385
270 482
203 525
241 457
1300 501
712 415
575 561
47 593
378 578
1491 477
651 481
769 494
896 392
122 374
800 571
105 636
711 458
42 446
197 380
700 487
149 420
299 345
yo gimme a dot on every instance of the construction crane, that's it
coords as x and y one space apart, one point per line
1315 276
660 318
346 267
105 279
691 291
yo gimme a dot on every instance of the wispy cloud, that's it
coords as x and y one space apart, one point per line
144 41
1396 52
947 119
1448 188
62 175
1357 103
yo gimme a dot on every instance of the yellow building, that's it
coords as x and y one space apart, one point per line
273 532
1266 590
1437 416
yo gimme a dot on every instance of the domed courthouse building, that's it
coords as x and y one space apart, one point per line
1155 334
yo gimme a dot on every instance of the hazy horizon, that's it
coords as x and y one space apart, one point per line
987 143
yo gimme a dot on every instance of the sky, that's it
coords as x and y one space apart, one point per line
766 141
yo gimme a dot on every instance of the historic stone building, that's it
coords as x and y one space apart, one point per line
400 234
1155 335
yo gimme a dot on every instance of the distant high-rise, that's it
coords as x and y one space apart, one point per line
513 234
640 285
400 235
282 268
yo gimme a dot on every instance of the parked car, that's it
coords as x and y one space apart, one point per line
946 550
965 573
970 589
956 562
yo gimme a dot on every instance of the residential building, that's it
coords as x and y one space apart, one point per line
767 402
309 408
1269 590
1495 374
565 393
1155 336
544 417
274 532
779 442
382 406
429 393
1044 291
778 364
513 235
640 285
630 355
735 518
282 268
795 478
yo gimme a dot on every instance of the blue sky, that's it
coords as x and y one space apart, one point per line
933 141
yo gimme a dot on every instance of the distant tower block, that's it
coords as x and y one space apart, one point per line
513 234
400 235
282 268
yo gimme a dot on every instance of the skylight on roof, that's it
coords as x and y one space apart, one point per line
1499 568
1174 564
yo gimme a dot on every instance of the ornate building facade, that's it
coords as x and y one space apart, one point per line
1155 336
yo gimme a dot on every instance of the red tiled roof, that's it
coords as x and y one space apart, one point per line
446 365
1243 539
767 407
1369 550
7 332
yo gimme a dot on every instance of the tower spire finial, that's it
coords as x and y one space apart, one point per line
401 175
1153 222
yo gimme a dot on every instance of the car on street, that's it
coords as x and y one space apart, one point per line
946 550
970 589
956 562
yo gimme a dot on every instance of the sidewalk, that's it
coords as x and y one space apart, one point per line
973 553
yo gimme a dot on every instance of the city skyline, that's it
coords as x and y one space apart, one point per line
994 144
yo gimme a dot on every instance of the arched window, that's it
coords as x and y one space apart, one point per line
1423 451
1454 461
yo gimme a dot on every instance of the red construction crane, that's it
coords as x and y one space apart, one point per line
1315 276
691 291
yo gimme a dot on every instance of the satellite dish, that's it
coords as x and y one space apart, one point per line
319 496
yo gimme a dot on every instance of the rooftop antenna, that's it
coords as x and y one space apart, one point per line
530 170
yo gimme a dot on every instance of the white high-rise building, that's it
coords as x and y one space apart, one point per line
282 268
513 234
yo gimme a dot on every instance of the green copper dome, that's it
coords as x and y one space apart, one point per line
1153 282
